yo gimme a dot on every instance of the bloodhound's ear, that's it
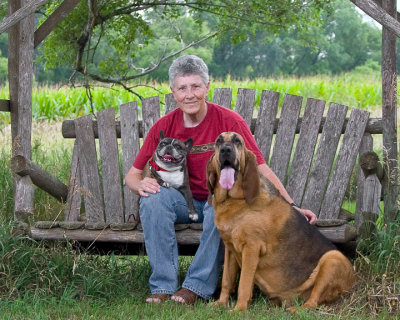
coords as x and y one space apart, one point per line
251 178
211 178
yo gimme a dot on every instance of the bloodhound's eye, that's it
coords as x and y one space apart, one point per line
236 140
220 140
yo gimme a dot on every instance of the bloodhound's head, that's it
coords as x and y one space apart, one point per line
233 168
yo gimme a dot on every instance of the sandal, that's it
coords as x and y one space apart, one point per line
157 298
185 296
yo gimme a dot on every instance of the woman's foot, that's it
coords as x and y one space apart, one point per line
157 298
185 296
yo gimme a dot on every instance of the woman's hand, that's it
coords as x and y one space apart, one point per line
308 214
148 185
142 187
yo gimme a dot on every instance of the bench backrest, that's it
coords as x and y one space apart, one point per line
313 154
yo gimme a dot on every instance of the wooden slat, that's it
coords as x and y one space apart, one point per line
223 97
372 196
170 103
88 168
340 234
130 148
150 112
366 146
344 164
74 198
305 149
285 135
264 129
374 126
114 212
324 158
245 104
370 205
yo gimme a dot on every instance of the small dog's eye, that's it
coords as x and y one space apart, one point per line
220 140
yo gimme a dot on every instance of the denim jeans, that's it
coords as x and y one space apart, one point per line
158 214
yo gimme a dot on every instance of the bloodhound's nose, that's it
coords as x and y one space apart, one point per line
226 150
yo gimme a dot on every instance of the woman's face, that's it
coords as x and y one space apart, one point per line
190 93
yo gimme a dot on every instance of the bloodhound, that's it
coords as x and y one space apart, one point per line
272 243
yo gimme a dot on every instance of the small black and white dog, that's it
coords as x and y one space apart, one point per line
168 166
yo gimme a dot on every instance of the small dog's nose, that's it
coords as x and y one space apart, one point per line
226 150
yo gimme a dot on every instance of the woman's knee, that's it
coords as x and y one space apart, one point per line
160 204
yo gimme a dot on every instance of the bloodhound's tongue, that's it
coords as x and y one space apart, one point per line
227 178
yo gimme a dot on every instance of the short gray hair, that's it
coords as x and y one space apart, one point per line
189 64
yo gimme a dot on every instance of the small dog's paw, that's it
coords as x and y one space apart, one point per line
165 184
194 216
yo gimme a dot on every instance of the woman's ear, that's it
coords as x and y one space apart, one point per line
251 178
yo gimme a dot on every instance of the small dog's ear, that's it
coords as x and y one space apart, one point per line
211 177
251 178
162 135
189 144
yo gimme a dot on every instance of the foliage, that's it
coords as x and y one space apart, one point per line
103 40
3 59
340 44
336 39
3 70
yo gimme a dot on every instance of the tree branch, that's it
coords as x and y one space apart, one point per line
147 70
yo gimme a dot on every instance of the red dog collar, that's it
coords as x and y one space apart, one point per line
156 166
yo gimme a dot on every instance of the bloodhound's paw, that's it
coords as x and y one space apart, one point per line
219 303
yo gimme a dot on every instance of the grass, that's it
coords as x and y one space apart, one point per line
56 281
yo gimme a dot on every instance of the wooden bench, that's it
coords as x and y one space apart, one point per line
313 154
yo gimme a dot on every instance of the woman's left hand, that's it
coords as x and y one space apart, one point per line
309 215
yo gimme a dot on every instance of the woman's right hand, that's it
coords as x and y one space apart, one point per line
136 184
148 185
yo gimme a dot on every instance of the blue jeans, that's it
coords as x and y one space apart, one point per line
158 214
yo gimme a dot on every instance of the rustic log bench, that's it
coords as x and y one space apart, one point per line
314 156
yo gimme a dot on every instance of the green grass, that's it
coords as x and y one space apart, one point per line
55 281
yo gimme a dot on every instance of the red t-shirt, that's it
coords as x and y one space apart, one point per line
218 119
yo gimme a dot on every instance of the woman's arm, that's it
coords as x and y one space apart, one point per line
271 176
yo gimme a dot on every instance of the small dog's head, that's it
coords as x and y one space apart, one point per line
231 160
171 153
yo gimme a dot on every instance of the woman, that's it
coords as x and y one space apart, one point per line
161 208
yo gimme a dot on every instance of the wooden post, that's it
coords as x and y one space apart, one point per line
20 71
389 96
41 178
